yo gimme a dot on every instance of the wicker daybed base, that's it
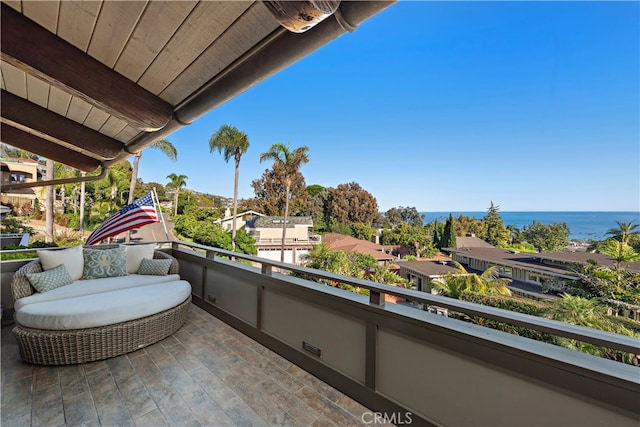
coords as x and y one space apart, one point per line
64 347
48 347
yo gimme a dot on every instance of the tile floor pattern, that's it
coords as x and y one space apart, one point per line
206 374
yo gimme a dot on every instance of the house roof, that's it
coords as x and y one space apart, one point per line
428 268
331 239
276 221
534 261
340 242
88 83
238 215
472 242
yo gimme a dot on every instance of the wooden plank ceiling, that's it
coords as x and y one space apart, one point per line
87 83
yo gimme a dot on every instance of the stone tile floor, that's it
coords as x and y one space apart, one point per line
206 374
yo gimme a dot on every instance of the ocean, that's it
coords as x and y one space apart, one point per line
582 225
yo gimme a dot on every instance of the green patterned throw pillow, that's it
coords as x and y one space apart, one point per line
155 267
50 279
100 263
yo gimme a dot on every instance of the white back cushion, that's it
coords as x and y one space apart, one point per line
70 257
135 255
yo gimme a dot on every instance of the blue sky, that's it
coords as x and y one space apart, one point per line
447 106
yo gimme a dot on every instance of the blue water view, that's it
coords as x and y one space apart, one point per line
582 225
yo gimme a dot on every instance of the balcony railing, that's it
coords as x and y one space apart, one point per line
289 241
409 364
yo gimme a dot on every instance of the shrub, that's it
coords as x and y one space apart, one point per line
12 224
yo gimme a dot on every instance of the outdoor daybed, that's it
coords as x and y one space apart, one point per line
79 305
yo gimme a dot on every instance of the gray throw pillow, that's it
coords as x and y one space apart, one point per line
155 267
50 279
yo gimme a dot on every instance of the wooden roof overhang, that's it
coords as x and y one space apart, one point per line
89 83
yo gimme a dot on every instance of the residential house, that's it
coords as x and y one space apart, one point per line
532 268
421 273
341 242
226 223
19 170
267 232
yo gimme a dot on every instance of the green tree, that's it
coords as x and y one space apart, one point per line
290 161
315 189
414 240
348 203
436 235
606 283
167 148
231 143
362 231
352 264
269 190
398 215
622 234
448 239
624 231
176 182
454 284
496 233
381 274
470 225
108 189
50 195
143 188
621 253
588 312
546 238
314 207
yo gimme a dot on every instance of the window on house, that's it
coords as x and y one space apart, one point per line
506 271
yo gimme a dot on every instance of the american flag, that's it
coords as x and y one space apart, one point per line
141 212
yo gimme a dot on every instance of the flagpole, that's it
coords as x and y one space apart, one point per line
155 194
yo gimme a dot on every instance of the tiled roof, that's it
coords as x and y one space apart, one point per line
340 242
331 239
534 260
471 242
428 268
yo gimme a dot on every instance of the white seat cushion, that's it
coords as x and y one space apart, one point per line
94 286
106 308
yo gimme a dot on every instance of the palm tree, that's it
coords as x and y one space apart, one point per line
82 205
177 182
290 161
231 142
163 145
454 284
622 234
624 231
50 194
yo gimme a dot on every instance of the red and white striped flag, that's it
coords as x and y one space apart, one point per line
141 212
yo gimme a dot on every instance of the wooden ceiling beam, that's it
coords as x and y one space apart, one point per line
20 113
38 52
35 144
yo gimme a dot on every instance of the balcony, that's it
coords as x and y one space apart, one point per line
289 241
263 347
